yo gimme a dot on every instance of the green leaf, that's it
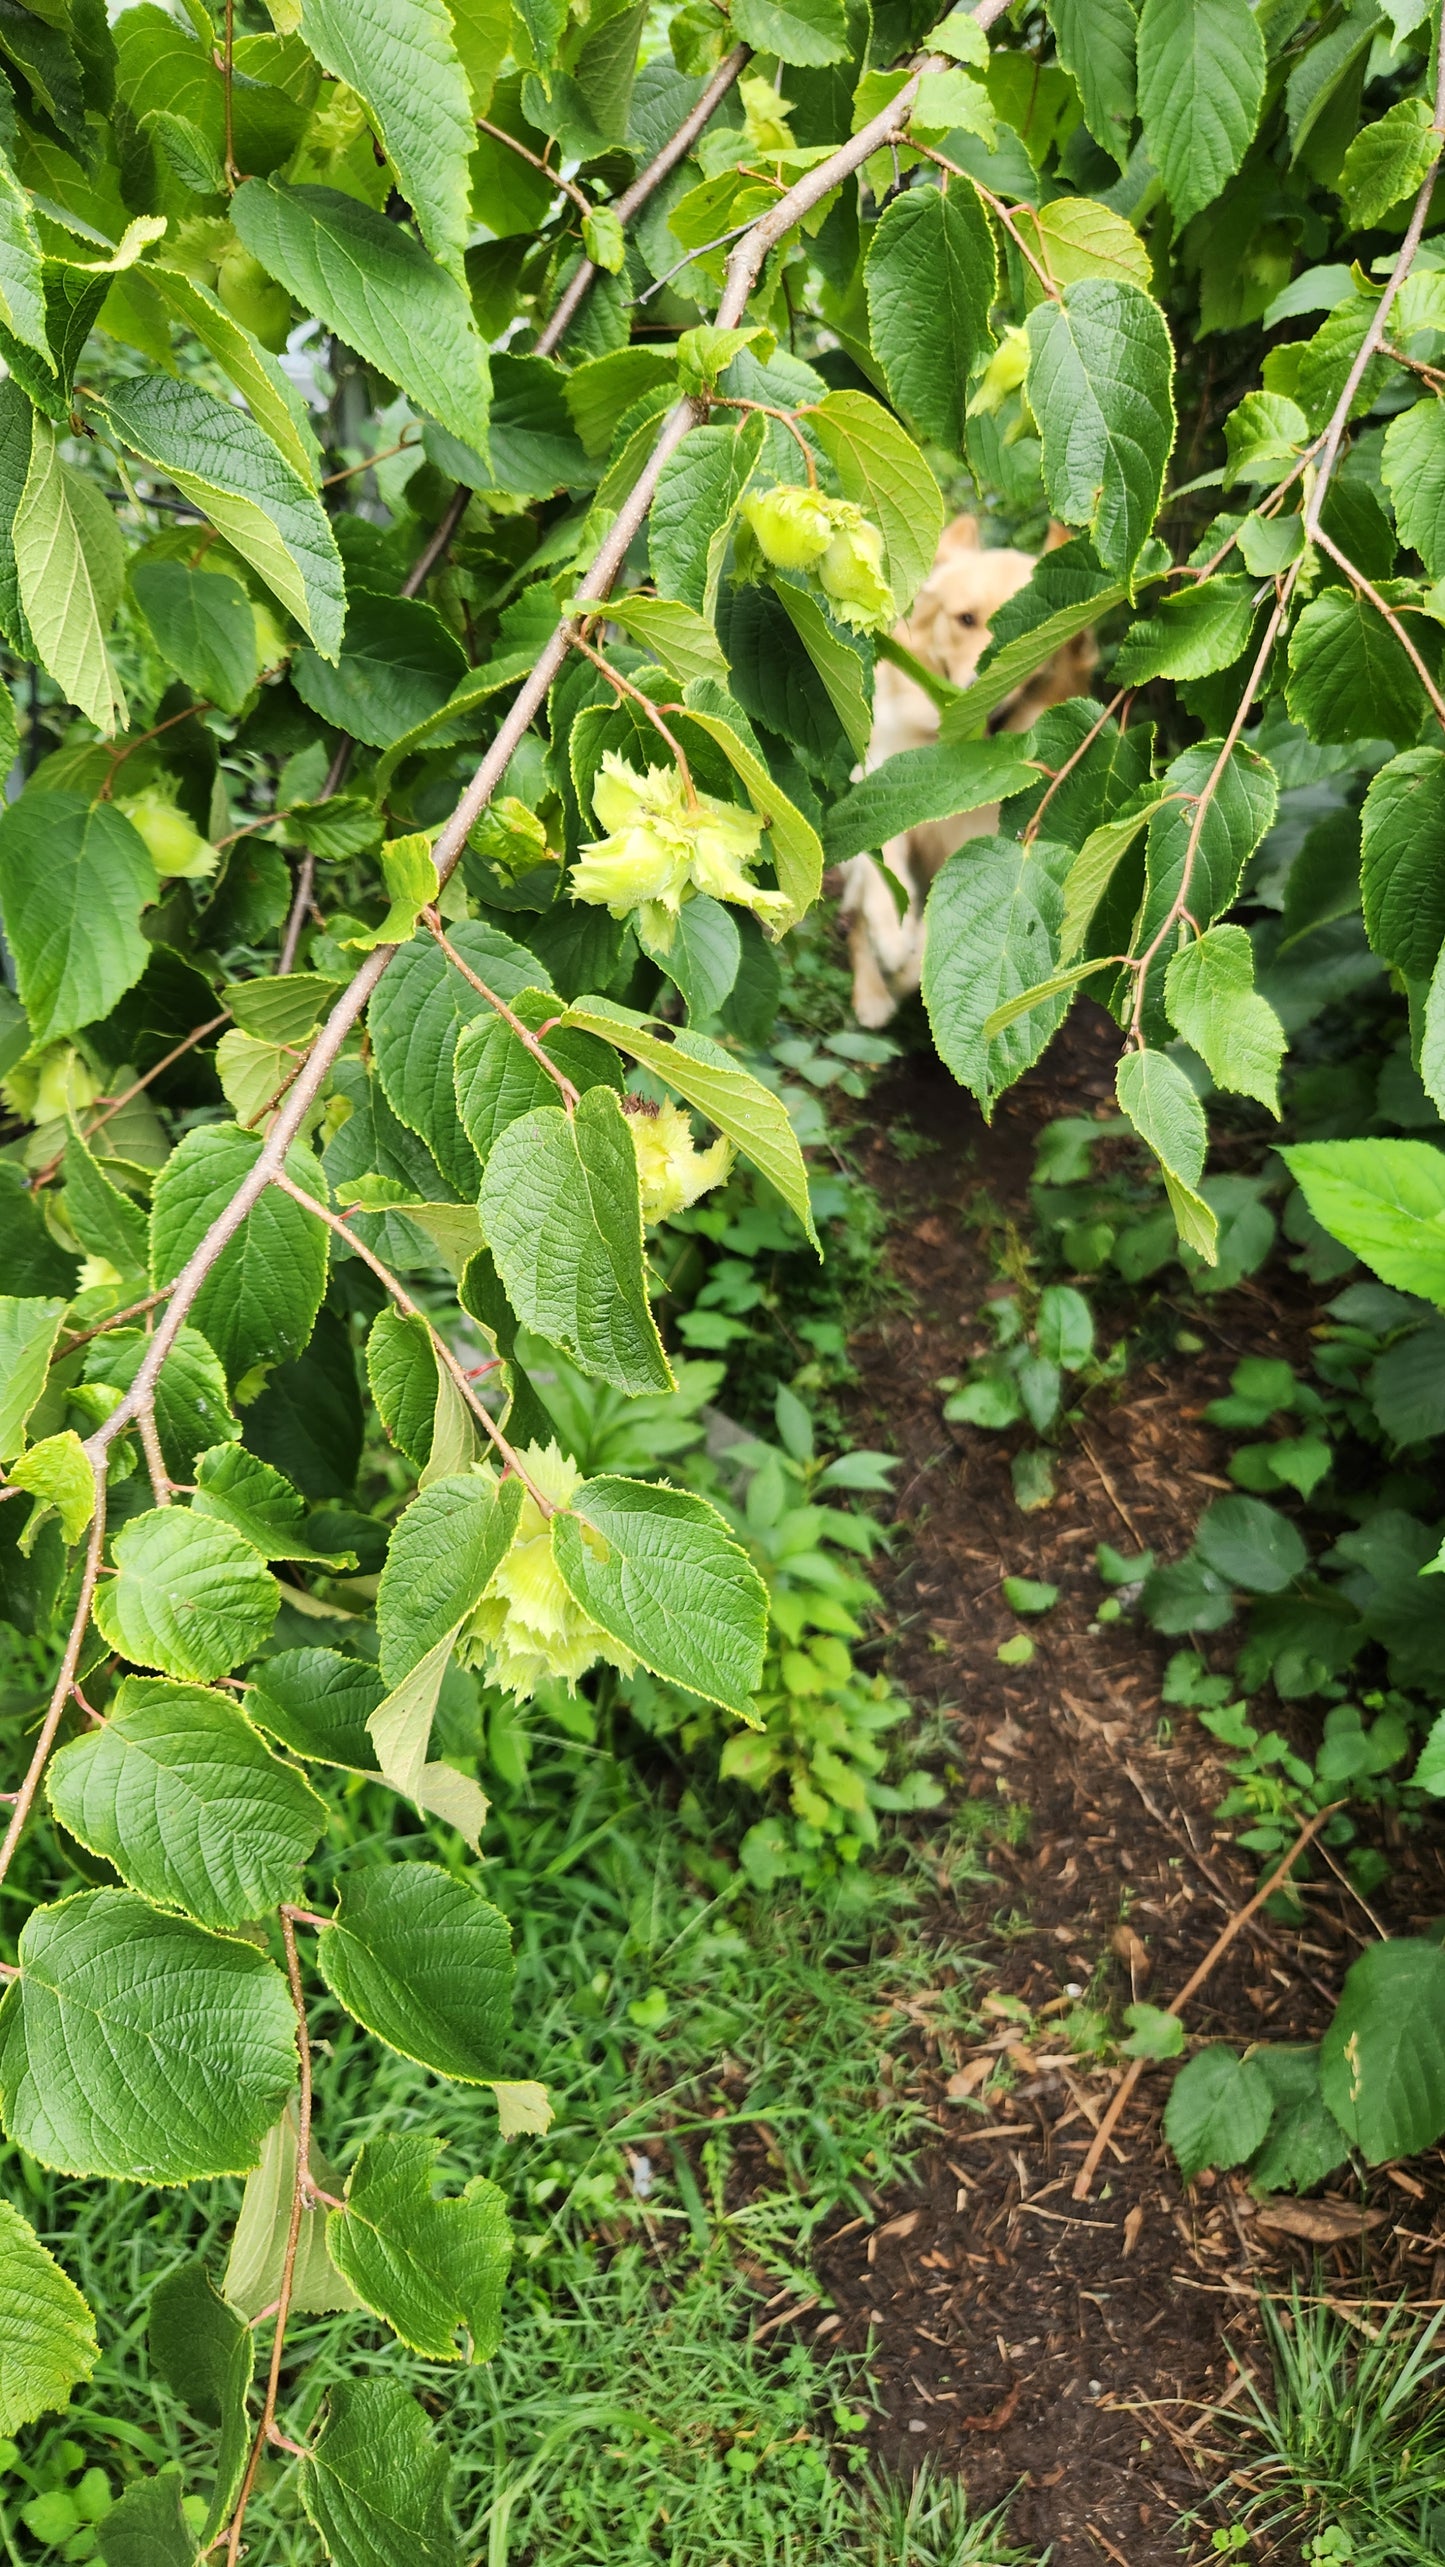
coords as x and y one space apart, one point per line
107 1222
1389 160
1201 86
1212 1001
1092 871
400 56
410 879
882 472
1241 809
1251 1545
1402 861
497 1079
402 1370
1014 662
703 957
22 293
1349 678
428 2267
1075 236
937 782
425 1962
1041 995
672 633
28 1333
838 662
146 2527
269 394
191 1598
192 1407
1100 382
1190 634
47 2333
283 1007
707 1077
931 277
259 2241
1384 1201
697 492
1218 2111
74 878
415 1018
205 2355
228 467
1169 1119
188 1803
58 1473
1413 465
1153 2034
375 2484
561 1211
204 626
372 282
990 933
318 1703
1305 2142
1263 438
259 1302
1382 2061
796 849
439 1565
807 32
237 1489
660 1571
70 565
1094 40
101 2072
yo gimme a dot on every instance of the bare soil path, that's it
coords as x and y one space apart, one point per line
1076 2350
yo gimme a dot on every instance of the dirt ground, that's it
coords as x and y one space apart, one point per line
1075 2351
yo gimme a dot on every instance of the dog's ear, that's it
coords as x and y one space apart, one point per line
1057 535
961 536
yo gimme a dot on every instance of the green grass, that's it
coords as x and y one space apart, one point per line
752 2049
1343 2463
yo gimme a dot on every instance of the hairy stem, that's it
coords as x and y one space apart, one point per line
65 1680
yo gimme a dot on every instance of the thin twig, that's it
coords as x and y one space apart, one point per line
45 1739
675 149
1070 762
1139 963
446 526
306 870
177 1052
1191 1987
568 186
528 1040
1370 344
624 686
1372 596
118 1318
150 1441
440 1348
293 2239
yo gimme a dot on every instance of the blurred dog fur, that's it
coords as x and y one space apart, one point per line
948 629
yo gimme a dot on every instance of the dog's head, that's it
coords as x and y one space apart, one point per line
950 625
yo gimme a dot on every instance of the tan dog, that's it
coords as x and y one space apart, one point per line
948 630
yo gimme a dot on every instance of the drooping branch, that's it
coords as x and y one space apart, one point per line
743 268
